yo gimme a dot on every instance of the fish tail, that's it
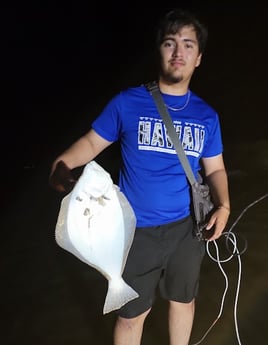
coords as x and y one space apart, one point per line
118 294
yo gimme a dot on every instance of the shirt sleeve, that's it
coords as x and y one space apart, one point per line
108 124
214 144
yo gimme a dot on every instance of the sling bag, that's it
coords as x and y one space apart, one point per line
200 193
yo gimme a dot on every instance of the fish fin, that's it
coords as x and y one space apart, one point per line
119 293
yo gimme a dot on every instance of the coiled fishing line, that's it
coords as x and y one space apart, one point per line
231 244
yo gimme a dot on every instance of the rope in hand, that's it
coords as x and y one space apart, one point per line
230 240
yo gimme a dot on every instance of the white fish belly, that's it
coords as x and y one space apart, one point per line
98 228
96 231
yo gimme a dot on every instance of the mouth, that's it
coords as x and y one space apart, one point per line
177 63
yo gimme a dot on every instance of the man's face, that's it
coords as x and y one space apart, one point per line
179 55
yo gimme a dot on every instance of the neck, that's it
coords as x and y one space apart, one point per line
176 89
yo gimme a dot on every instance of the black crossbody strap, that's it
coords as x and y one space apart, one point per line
153 88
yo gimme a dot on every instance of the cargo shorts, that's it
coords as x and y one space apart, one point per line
165 259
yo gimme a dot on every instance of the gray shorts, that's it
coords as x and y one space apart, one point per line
164 258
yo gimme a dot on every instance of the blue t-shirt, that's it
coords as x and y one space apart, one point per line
151 177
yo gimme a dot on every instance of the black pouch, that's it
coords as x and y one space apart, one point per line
202 208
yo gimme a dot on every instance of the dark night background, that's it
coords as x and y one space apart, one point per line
66 61
61 63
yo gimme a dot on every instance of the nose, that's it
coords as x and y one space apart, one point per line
177 50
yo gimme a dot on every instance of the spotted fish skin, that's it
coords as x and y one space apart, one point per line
96 224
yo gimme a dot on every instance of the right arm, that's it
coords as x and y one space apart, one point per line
80 153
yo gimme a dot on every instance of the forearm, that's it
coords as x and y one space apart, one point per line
218 183
82 151
78 154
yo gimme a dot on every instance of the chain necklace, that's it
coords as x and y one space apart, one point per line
184 106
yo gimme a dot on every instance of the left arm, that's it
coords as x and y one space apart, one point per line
216 177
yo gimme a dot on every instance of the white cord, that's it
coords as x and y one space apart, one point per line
224 293
219 262
230 236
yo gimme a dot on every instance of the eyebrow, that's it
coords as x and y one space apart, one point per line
183 39
189 40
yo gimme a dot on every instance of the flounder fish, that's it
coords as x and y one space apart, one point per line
96 223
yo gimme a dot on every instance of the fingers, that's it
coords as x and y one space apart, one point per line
61 179
217 223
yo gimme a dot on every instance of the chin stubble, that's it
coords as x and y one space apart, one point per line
170 78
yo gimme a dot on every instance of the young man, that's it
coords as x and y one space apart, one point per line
165 253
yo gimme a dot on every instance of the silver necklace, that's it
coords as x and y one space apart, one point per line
184 106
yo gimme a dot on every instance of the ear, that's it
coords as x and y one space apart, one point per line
198 60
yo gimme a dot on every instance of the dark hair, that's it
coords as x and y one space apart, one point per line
174 20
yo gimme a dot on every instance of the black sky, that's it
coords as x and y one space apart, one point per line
62 62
